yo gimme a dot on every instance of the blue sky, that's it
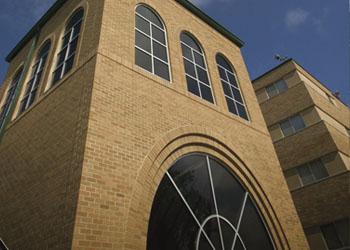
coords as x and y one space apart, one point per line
314 32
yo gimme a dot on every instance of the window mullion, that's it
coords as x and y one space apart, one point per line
152 55
67 52
195 70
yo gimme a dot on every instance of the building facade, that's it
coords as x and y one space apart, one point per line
134 125
309 127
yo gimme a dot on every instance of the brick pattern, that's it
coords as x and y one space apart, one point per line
110 130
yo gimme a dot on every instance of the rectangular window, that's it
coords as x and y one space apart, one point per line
292 125
276 88
312 172
336 234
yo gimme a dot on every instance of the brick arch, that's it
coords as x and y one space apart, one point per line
164 153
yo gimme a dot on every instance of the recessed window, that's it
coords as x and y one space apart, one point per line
9 97
197 78
234 99
276 88
200 204
292 125
35 78
312 172
336 234
151 49
2 245
66 56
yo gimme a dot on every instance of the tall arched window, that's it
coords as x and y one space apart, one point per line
151 48
65 57
197 78
37 73
200 205
234 99
9 96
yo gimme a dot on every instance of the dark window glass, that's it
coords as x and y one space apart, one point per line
286 128
297 122
161 69
223 75
143 25
149 15
9 96
231 106
143 42
192 86
191 176
281 86
195 67
37 71
206 93
330 234
342 228
199 59
202 75
318 170
186 52
232 79
258 238
143 60
237 95
227 89
189 68
153 41
223 63
242 111
171 225
158 35
234 99
160 51
198 192
228 191
65 61
276 88
271 91
190 42
305 174
75 18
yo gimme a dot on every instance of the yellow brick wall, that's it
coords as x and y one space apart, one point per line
139 124
83 164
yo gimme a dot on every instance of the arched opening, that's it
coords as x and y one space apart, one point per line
200 204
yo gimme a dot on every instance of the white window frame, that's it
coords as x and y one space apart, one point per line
308 165
68 45
291 125
195 68
237 88
274 85
150 36
35 72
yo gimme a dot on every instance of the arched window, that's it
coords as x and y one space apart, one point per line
151 48
9 96
37 73
231 88
65 57
199 205
196 68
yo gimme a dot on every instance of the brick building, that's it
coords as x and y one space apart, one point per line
309 127
134 125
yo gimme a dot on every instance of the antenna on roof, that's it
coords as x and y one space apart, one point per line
337 94
280 58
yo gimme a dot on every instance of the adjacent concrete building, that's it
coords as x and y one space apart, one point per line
309 127
134 125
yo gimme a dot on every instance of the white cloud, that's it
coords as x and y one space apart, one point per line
296 17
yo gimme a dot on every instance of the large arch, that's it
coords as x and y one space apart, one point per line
174 145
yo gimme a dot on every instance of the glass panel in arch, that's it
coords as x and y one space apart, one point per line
171 225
